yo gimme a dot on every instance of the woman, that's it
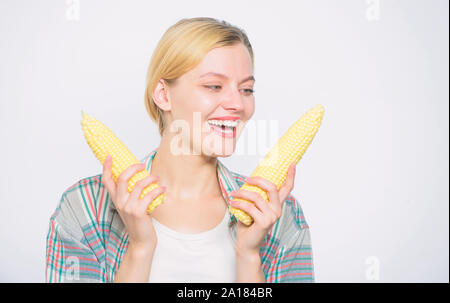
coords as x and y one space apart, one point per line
200 75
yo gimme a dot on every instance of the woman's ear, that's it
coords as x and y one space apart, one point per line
161 95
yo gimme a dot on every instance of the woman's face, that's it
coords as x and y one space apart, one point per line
202 100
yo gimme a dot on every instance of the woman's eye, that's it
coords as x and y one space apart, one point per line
212 86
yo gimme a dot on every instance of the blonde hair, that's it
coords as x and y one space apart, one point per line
181 49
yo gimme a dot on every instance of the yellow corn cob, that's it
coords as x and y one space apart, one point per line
103 142
289 148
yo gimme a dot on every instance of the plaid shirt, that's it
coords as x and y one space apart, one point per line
87 239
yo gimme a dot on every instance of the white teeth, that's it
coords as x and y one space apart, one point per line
227 123
227 130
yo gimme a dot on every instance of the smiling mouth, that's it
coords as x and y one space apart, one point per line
224 131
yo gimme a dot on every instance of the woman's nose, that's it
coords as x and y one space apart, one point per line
233 101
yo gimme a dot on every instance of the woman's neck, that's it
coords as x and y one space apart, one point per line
186 176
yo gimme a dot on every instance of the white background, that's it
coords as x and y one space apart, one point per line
373 184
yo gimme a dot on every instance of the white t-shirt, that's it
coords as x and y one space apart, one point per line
203 257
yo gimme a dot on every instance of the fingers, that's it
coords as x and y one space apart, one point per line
288 184
140 185
249 208
107 179
254 197
272 193
269 187
137 207
148 198
123 179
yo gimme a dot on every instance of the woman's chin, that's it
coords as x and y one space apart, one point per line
221 150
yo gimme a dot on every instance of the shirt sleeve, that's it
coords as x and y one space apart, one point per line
294 264
68 257
288 251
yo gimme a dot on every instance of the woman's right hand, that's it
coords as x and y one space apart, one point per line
132 210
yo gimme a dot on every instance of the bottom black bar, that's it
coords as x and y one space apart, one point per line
238 292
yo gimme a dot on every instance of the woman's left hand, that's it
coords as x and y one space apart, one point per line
264 214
